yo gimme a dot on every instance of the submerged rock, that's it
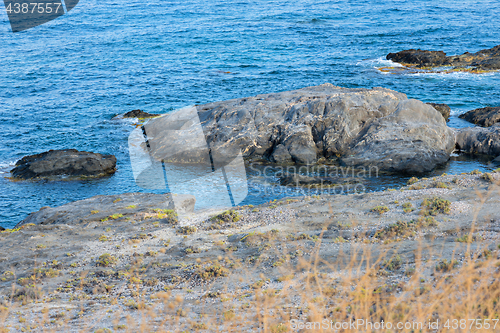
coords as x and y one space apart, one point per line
110 207
139 114
69 162
483 117
484 60
316 181
442 108
365 127
479 140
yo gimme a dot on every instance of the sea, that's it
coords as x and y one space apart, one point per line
62 83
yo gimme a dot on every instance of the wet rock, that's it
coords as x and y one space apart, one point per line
110 207
316 181
326 122
442 108
139 114
479 140
281 155
485 117
419 57
68 162
487 60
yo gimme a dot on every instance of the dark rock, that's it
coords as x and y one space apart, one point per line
316 181
70 162
419 57
444 109
487 60
281 155
139 114
497 160
119 206
479 140
2 228
483 117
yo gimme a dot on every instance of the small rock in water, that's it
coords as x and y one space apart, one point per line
139 114
68 162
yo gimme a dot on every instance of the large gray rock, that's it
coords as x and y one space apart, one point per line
109 207
485 117
479 140
328 122
68 162
413 139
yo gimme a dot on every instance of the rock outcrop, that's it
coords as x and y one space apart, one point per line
479 140
139 114
364 127
444 109
112 207
67 162
483 117
484 60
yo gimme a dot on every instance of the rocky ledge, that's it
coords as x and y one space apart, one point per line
367 128
484 117
484 60
67 162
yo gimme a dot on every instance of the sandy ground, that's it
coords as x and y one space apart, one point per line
54 278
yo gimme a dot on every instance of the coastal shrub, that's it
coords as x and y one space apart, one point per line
446 266
255 238
380 209
212 272
488 177
168 215
475 172
187 230
393 263
468 238
106 260
408 207
398 229
412 180
439 185
228 216
416 187
435 206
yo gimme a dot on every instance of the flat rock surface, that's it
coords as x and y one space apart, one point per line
67 162
484 117
109 207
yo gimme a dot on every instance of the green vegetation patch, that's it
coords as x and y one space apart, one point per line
380 209
106 260
435 206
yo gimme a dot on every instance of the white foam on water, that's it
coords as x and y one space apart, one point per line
6 166
380 62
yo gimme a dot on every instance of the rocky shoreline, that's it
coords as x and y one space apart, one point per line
105 262
124 250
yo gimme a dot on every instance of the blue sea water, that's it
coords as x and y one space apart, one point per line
62 83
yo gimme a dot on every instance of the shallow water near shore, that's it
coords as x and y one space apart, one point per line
62 83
